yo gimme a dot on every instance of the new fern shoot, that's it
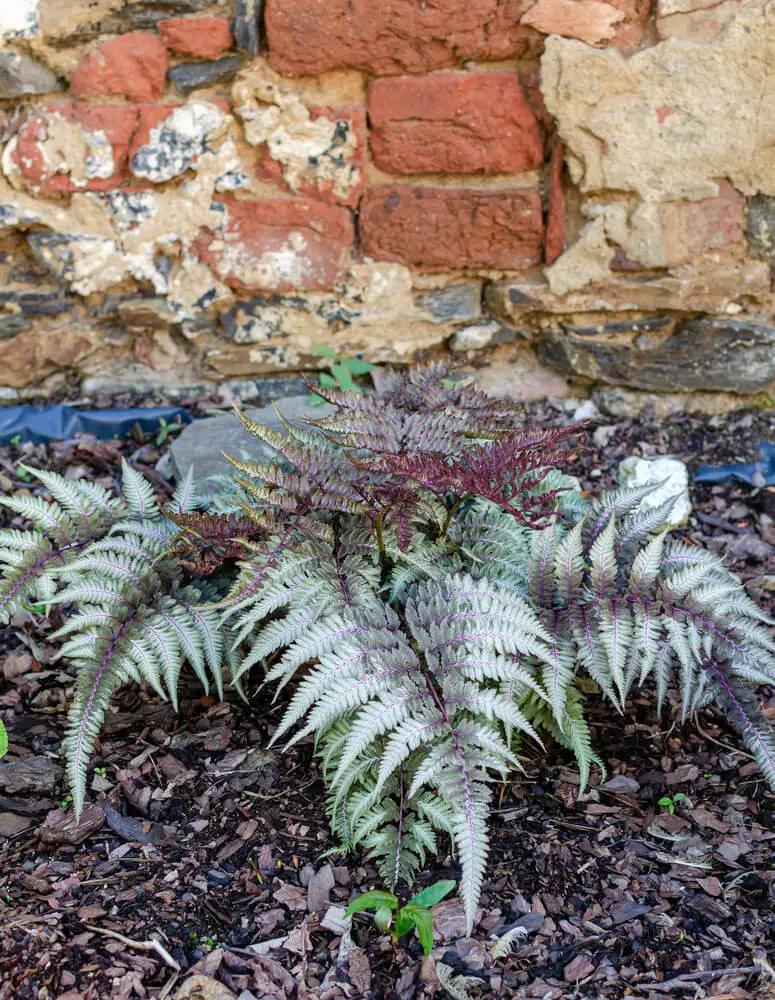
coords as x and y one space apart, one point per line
421 587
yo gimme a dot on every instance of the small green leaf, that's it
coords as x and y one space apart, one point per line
433 894
343 377
422 919
357 366
315 400
374 900
3 740
324 350
327 381
383 918
679 797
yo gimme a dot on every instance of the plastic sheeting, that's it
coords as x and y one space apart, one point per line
761 473
60 423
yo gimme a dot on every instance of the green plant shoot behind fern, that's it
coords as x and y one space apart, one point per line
422 587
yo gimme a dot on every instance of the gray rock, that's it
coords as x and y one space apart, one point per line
20 74
462 302
761 226
733 355
203 442
247 24
192 75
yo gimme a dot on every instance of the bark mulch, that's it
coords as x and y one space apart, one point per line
202 867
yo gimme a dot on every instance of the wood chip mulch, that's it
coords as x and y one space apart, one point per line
200 868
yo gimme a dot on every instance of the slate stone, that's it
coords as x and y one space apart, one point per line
189 76
462 302
203 442
730 355
20 74
247 25
11 325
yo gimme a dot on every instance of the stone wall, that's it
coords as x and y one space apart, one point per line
564 193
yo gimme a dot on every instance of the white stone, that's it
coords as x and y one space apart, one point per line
18 19
635 471
474 337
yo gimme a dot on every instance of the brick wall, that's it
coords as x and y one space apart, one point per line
564 193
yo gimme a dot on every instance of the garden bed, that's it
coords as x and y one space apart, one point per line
211 844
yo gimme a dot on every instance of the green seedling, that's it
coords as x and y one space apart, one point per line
23 474
16 439
670 802
166 429
3 739
341 373
396 920
101 771
66 801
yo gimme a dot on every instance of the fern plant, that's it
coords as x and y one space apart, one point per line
119 564
419 584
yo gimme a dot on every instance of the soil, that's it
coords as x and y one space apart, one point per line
200 845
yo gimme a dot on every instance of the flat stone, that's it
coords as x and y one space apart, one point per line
455 302
203 442
20 74
672 473
731 355
189 76
247 23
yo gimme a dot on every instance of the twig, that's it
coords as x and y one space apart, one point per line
668 985
150 945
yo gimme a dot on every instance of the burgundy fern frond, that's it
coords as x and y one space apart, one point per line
206 541
419 411
503 471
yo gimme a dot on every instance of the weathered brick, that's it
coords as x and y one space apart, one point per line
61 146
555 216
394 36
597 22
335 174
441 228
201 37
453 122
694 227
132 65
278 244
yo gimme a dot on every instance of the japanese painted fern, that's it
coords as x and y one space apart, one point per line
423 587
116 563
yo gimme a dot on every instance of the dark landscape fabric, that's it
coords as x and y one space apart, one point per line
744 473
59 423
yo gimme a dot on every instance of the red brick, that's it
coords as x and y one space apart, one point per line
117 121
695 227
132 65
453 123
395 36
555 216
201 37
598 22
317 182
441 228
278 244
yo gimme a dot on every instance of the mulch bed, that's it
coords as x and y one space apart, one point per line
200 844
